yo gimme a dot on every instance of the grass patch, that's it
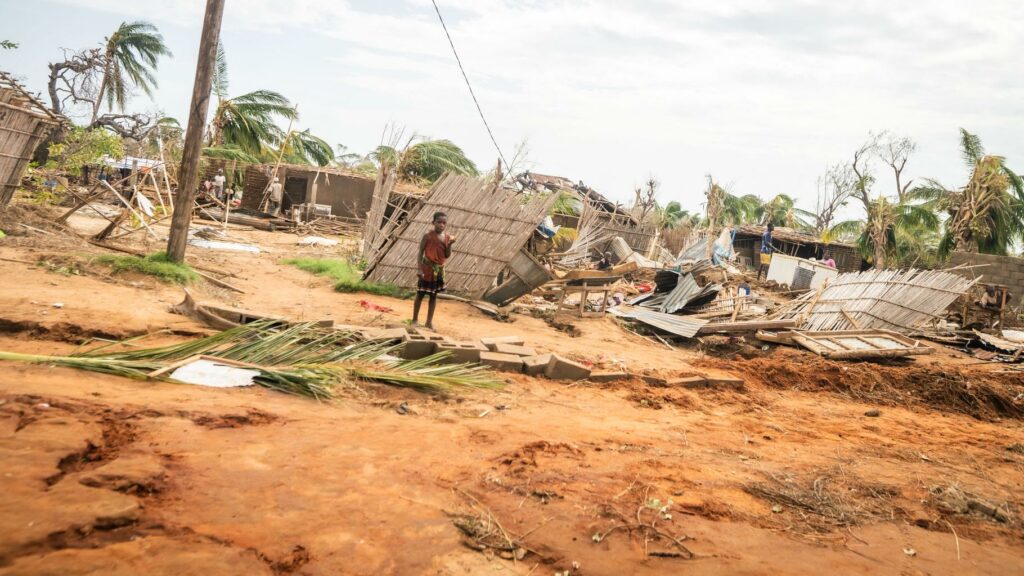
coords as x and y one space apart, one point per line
153 265
347 278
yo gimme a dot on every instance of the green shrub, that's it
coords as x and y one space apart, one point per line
153 265
347 277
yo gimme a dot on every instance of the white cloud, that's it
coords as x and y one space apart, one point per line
761 93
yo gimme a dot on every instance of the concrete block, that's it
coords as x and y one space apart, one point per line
564 369
689 382
536 365
503 362
654 380
513 349
461 352
388 334
416 346
490 343
607 376
724 382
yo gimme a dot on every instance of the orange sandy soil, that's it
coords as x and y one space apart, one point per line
104 475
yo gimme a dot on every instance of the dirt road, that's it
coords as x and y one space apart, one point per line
103 475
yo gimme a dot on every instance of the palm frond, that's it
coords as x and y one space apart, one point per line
843 231
229 153
300 359
970 148
220 73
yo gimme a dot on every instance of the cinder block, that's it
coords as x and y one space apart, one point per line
536 365
461 352
564 369
654 380
417 346
504 362
689 382
490 343
724 382
607 376
388 334
513 349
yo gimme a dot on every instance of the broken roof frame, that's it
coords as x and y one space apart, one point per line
491 223
898 300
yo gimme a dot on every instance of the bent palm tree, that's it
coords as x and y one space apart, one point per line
426 160
891 223
987 214
129 60
244 128
782 211
248 121
305 148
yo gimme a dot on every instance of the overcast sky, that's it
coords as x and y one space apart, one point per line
761 94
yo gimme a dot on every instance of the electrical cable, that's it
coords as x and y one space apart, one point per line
468 85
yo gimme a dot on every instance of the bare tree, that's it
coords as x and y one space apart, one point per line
895 151
835 187
75 81
646 199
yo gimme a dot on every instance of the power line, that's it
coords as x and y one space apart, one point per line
468 85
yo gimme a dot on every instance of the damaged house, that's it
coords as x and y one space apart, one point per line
322 190
747 244
600 220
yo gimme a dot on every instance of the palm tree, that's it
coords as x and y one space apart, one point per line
891 222
244 127
129 60
673 217
305 148
782 211
248 122
426 160
987 214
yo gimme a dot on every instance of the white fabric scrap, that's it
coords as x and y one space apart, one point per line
218 245
1016 336
317 241
204 372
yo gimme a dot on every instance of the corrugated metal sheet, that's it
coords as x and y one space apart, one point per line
685 289
684 326
695 251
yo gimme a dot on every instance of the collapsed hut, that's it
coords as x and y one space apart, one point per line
24 123
492 224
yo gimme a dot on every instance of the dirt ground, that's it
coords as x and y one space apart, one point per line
104 475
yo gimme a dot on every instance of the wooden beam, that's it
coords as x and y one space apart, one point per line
193 148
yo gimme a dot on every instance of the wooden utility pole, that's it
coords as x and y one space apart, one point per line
189 171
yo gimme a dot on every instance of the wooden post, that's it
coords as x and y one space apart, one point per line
264 202
167 181
194 134
134 181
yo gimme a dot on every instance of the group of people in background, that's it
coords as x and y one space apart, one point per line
217 187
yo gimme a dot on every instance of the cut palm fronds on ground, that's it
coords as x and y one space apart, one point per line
303 359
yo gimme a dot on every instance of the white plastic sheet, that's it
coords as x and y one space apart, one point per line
211 373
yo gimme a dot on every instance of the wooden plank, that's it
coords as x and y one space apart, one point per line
746 326
818 342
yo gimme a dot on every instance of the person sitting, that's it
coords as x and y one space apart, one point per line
827 260
605 263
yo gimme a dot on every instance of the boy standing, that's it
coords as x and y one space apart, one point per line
435 249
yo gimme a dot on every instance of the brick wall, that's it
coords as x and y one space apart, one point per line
1005 270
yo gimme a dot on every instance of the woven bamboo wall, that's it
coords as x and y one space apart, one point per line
491 224
23 125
